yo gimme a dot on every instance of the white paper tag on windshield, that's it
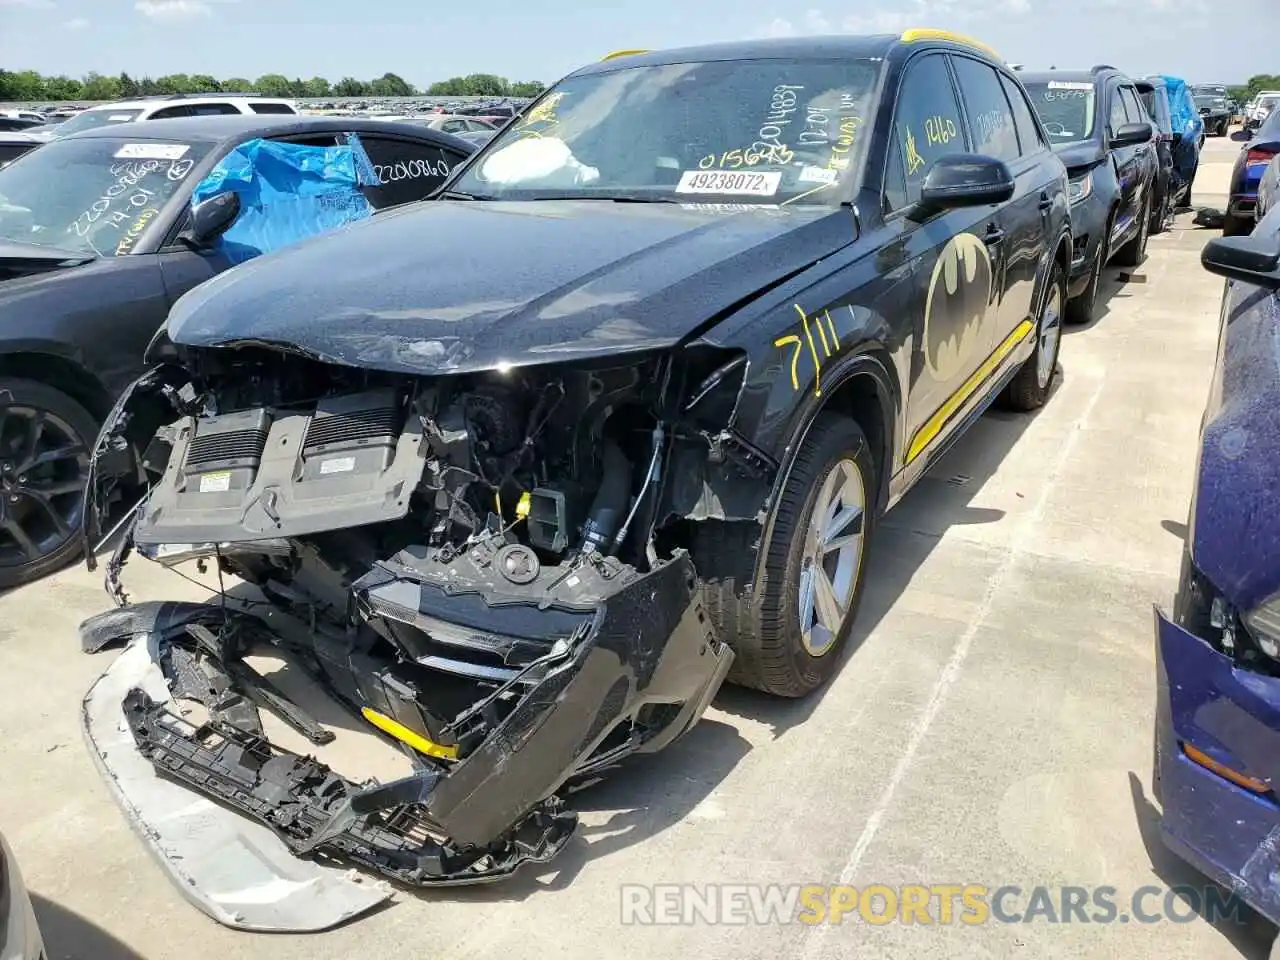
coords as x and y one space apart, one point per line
730 183
1070 85
152 151
818 175
120 117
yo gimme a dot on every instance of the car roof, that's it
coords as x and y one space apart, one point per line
235 126
835 47
161 101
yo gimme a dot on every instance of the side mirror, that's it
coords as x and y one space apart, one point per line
963 180
1132 134
210 219
1244 258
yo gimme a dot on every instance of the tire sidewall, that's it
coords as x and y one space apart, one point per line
815 670
1057 278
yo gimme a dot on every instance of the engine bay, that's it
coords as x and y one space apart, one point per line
490 570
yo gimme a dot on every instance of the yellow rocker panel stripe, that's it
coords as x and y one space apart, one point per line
926 434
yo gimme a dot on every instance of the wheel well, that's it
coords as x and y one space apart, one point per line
859 399
1063 255
61 373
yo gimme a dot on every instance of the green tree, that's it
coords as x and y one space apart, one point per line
128 86
453 87
174 83
351 87
203 83
390 85
273 85
236 85
23 85
62 88
318 87
147 87
485 85
527 88
98 87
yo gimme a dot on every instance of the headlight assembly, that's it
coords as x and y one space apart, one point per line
1080 187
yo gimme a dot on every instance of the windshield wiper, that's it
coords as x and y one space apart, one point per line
455 195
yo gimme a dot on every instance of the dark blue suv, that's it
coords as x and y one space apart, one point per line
1098 125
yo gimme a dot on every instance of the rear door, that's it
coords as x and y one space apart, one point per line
1018 246
954 256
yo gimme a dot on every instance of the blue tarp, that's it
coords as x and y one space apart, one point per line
288 192
1182 108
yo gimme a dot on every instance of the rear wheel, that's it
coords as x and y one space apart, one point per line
45 441
1233 226
1033 383
808 578
1133 253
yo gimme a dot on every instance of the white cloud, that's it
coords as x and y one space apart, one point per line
914 13
170 10
77 23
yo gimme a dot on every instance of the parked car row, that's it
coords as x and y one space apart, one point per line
752 292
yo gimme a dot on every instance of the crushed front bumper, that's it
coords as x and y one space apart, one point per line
640 677
1232 715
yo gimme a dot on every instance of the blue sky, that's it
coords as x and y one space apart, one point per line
543 39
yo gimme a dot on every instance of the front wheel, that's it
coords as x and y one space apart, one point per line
787 638
45 441
1033 383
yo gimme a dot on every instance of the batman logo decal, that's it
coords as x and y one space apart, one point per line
959 293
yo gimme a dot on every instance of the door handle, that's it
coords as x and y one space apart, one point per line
1046 201
993 236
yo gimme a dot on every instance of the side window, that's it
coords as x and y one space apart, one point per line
1137 113
895 181
1029 136
453 126
991 126
409 169
1118 116
272 108
212 109
168 112
926 124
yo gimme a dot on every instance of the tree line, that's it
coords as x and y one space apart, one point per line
28 86
1263 81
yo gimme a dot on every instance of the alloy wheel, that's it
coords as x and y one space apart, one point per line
832 557
43 468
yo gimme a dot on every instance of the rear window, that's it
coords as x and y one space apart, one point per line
272 108
97 118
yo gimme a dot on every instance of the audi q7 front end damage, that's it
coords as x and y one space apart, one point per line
478 572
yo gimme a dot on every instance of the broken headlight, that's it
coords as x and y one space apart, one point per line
1263 623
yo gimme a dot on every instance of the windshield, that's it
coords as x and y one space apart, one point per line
764 131
1066 108
96 118
94 194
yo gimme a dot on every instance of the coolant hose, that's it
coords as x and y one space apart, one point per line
610 500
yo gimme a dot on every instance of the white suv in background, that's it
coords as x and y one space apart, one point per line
164 107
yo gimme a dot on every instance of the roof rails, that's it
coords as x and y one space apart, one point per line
1102 66
192 96
621 53
928 33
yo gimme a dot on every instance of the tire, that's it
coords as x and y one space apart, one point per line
1133 253
1233 226
40 507
1160 211
763 625
1084 308
1033 383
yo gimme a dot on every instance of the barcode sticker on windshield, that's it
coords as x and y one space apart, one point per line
1069 85
730 183
152 151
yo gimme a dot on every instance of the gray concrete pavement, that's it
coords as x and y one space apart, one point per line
992 727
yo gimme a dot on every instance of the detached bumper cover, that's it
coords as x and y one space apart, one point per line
641 676
1233 715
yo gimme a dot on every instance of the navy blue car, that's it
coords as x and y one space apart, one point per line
1217 742
1246 176
1098 125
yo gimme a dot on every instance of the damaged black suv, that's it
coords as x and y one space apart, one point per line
751 293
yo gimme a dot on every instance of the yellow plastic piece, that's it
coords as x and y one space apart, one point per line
405 735
928 33
621 53
524 505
